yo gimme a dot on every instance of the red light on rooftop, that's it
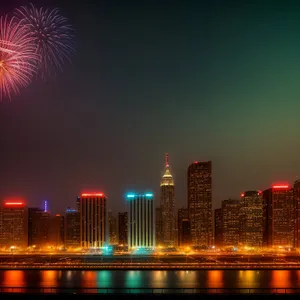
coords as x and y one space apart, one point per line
242 195
195 162
281 186
10 203
57 215
92 195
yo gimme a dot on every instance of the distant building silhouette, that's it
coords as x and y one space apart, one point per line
123 228
218 241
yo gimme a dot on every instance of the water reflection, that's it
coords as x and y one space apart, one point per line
133 279
104 279
49 278
89 279
248 279
281 279
13 278
215 279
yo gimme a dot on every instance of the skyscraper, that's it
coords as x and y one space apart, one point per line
218 227
297 213
13 229
167 204
57 231
184 228
200 202
251 219
231 222
93 220
279 216
123 228
38 227
72 228
141 221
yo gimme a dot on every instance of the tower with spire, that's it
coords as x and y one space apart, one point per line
167 205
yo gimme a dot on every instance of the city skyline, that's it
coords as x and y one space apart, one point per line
215 81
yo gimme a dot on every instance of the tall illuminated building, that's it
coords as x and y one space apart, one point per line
199 184
278 216
218 241
72 228
13 229
184 227
141 221
297 213
123 228
251 219
167 204
231 222
93 220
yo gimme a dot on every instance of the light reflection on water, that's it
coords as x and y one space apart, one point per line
152 279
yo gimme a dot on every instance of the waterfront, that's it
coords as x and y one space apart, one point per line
231 279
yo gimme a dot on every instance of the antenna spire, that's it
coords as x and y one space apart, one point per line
167 160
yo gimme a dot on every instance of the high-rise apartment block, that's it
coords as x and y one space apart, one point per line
141 221
93 220
38 227
200 202
72 228
297 213
13 229
251 219
278 216
231 222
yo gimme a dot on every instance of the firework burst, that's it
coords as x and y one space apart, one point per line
53 36
18 60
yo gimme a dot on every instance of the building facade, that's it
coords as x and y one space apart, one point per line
167 205
158 226
200 202
112 228
278 216
38 227
93 218
251 219
184 227
123 228
296 191
218 240
57 231
13 229
141 221
231 222
72 228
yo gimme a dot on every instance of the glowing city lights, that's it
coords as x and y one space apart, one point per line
92 195
285 186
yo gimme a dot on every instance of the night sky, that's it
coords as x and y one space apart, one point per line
209 80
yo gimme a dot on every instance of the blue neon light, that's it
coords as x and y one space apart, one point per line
71 210
130 196
149 195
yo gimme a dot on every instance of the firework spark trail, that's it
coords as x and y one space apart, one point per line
53 36
18 60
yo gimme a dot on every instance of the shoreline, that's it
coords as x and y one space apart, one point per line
142 267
